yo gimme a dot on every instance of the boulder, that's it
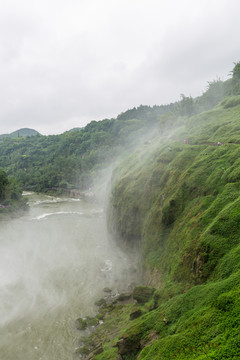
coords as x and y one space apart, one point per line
107 290
143 293
135 314
124 296
92 321
81 324
128 345
101 302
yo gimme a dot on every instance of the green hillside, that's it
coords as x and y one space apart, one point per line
76 158
181 184
20 133
178 199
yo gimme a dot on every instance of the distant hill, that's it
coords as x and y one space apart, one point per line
21 133
75 129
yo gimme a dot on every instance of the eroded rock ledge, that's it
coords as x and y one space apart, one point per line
106 326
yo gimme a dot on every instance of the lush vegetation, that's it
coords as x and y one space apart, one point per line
10 194
178 199
72 159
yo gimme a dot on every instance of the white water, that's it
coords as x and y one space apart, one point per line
54 263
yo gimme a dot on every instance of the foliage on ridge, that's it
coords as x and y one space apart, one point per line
72 159
10 194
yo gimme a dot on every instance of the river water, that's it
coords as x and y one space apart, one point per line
54 263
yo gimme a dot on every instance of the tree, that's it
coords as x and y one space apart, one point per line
234 84
3 184
236 71
214 93
185 106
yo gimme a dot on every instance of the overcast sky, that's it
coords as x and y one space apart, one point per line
64 63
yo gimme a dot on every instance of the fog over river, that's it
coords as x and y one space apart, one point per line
54 263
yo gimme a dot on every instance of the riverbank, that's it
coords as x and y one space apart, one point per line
72 193
100 334
14 209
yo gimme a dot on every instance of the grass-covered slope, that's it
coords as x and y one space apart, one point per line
181 201
202 323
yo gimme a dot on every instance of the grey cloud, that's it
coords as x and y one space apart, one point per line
63 64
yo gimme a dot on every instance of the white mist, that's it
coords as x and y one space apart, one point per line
54 263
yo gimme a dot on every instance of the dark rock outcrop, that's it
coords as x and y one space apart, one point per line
143 293
135 314
81 324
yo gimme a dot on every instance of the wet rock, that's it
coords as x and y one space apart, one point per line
128 345
98 350
92 321
107 290
135 314
88 352
143 293
124 296
87 346
110 307
101 302
131 286
81 324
